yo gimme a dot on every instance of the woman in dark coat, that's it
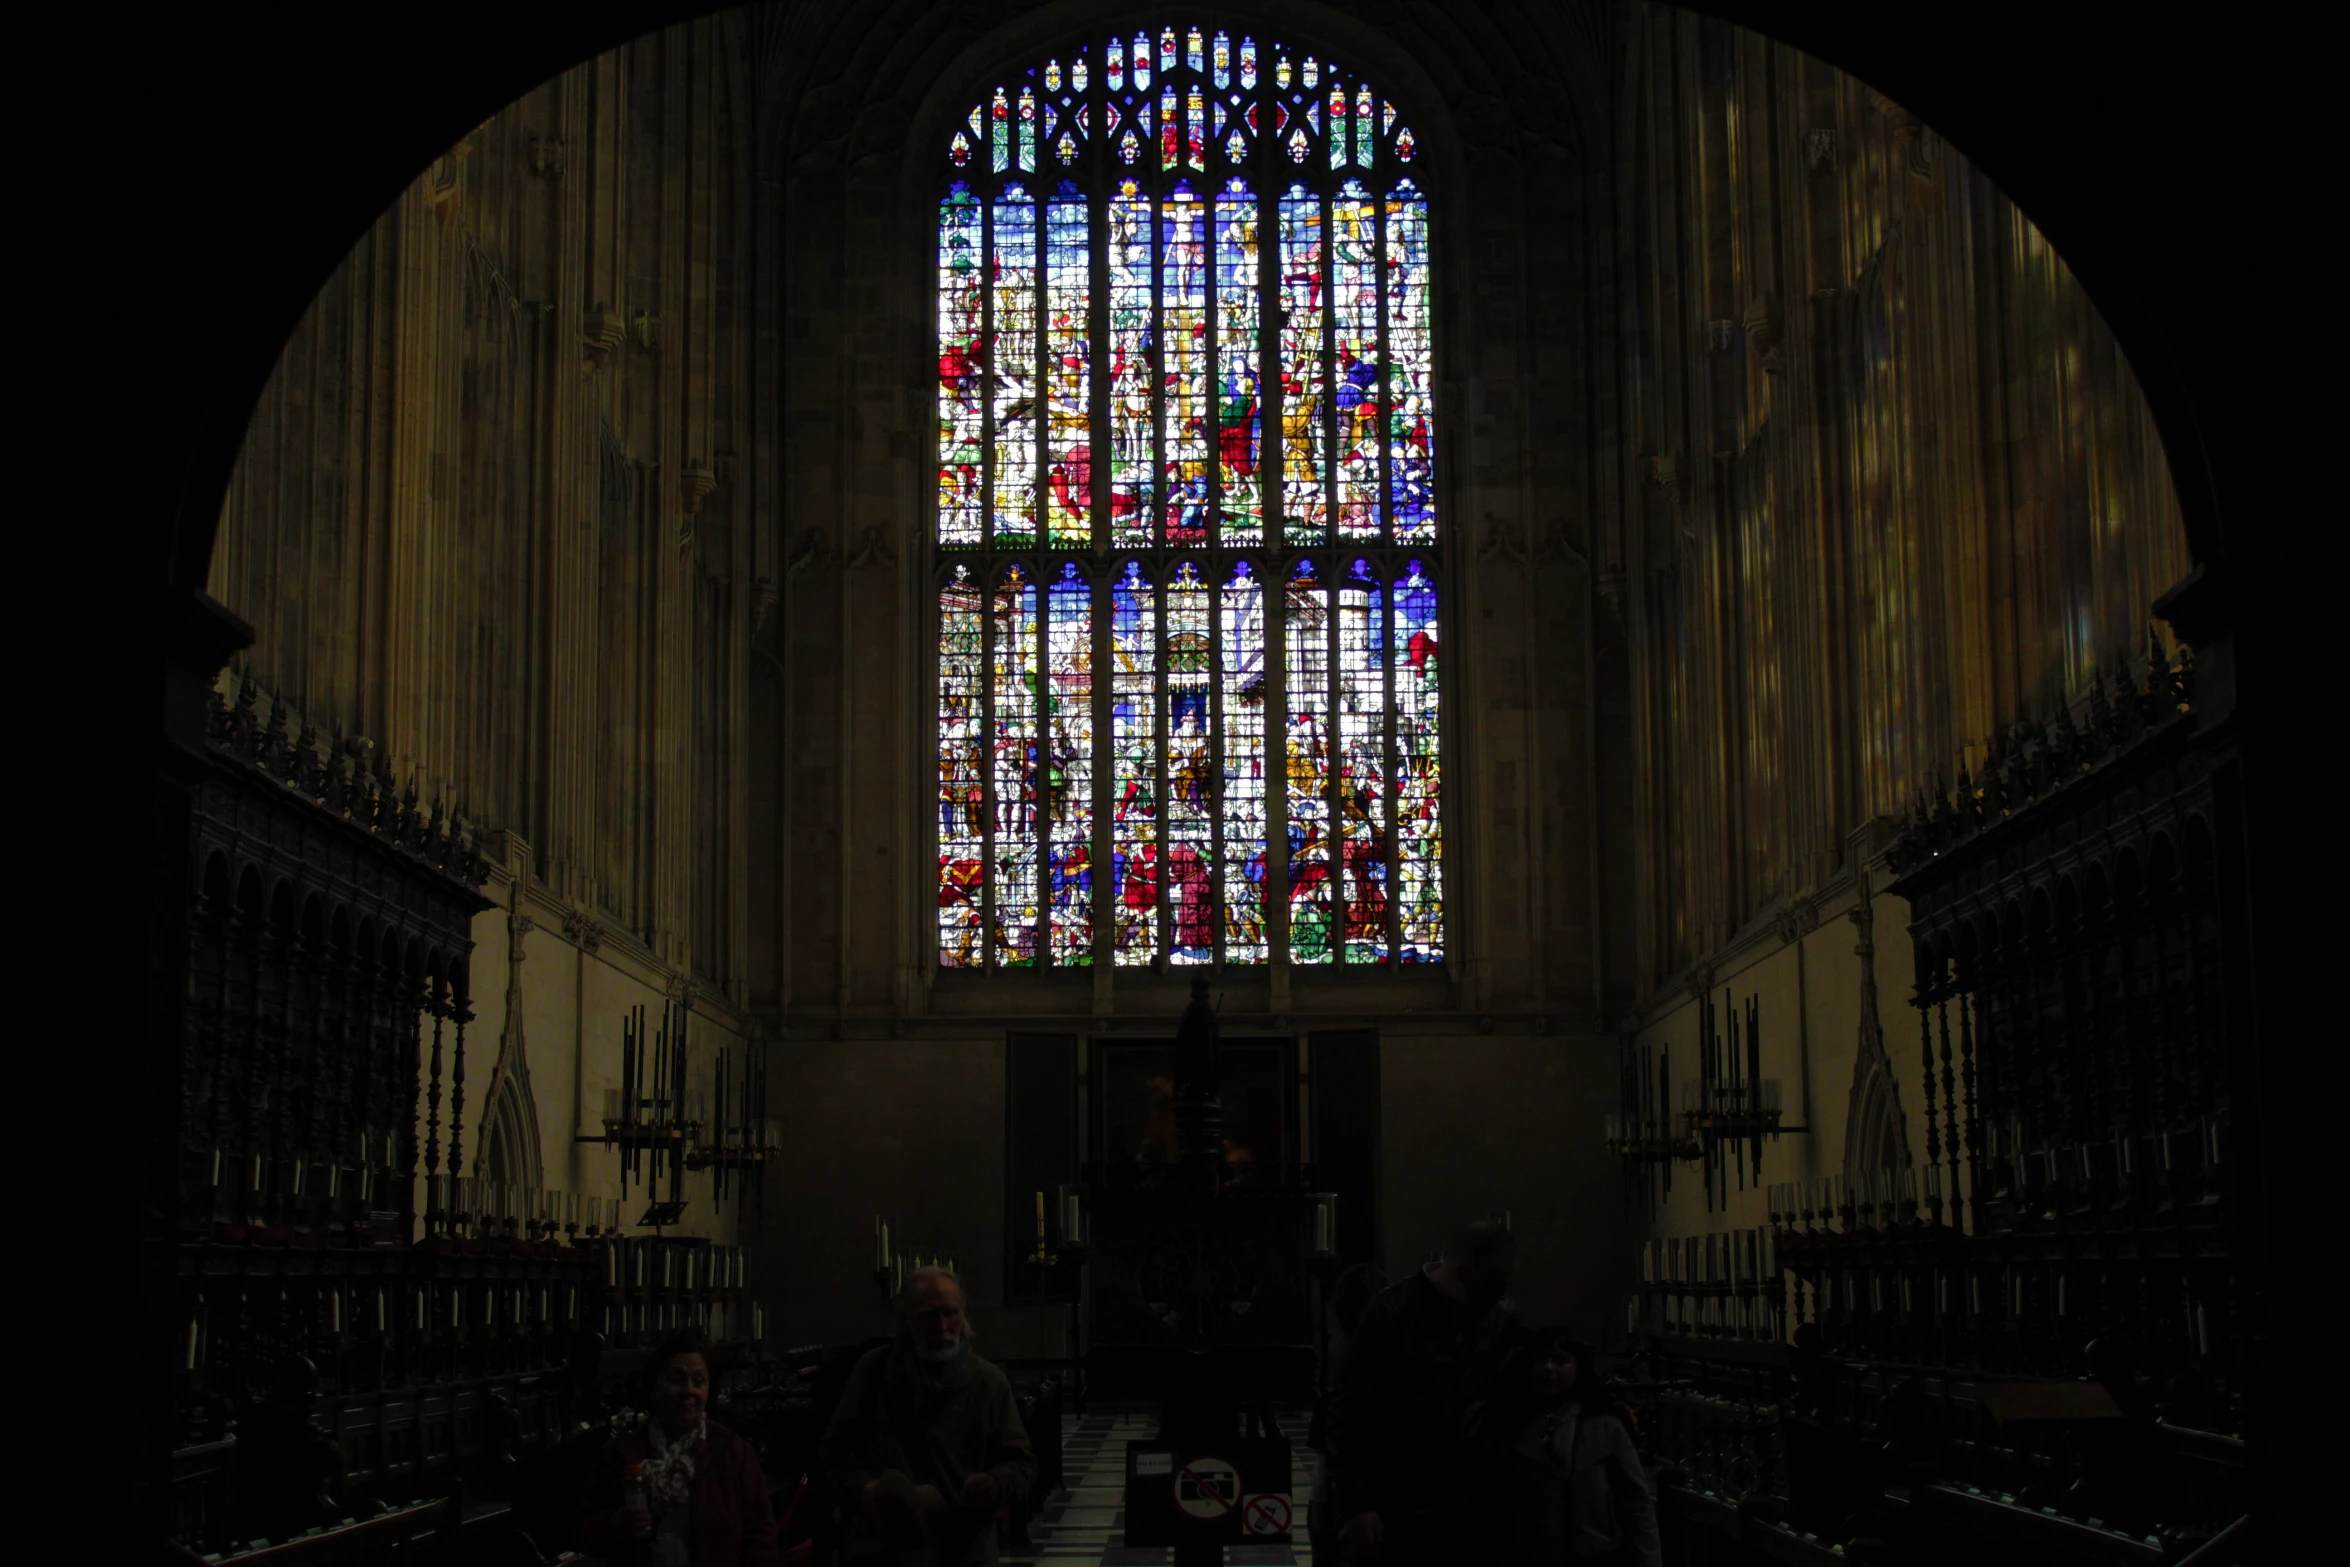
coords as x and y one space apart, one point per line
679 1489
1571 1483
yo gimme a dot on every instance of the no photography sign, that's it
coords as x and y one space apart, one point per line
1207 1488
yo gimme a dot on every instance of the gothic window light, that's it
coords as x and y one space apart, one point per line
1187 551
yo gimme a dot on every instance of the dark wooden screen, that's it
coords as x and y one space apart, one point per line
1345 1070
1040 1154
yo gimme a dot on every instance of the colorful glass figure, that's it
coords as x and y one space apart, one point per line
1052 76
1015 768
1133 381
1183 323
1142 61
1192 55
1223 58
1236 147
1068 371
1195 139
1404 145
1077 73
1305 402
1363 127
1239 413
1013 365
962 797
1418 786
1354 289
1248 63
1338 135
1134 760
1281 73
959 150
1299 148
1068 767
1028 130
1242 663
1305 630
1410 370
961 421
1166 50
1000 135
1362 770
1309 73
1191 790
1114 64
1170 128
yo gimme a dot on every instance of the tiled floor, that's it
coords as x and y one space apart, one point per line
1088 1523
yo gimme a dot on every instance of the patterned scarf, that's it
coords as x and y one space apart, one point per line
669 1474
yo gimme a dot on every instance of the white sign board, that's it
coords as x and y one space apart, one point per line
1154 1463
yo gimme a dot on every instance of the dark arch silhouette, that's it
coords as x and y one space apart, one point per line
254 149
2008 89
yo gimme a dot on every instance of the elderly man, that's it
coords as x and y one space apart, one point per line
927 1442
1425 1352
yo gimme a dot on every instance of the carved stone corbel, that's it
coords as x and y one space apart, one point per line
546 157
1766 332
583 931
601 330
694 485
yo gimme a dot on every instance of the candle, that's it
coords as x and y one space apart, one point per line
1040 1221
336 1298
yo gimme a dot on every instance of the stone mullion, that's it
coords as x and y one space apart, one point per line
1333 786
986 574
1271 457
1106 890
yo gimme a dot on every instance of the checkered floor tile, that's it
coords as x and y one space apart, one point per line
1087 1522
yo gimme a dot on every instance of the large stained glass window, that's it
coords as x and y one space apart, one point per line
1188 561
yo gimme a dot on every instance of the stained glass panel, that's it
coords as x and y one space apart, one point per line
1183 318
1013 645
960 420
1354 289
1068 321
962 800
1410 372
1362 781
1068 766
1191 769
1419 777
1239 416
1186 816
1305 406
1133 394
1014 368
1306 672
1242 659
1134 738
